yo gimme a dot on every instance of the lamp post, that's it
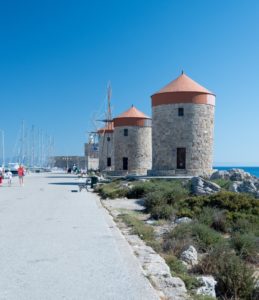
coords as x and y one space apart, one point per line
3 157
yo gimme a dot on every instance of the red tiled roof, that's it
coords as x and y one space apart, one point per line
183 83
133 112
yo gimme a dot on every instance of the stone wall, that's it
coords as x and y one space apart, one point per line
136 146
106 150
193 131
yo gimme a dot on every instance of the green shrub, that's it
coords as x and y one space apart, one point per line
162 212
223 183
205 237
111 190
246 246
200 235
234 278
179 269
178 239
139 190
214 218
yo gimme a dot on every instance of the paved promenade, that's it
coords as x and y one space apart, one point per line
58 244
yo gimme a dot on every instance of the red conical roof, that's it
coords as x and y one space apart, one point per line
133 112
183 83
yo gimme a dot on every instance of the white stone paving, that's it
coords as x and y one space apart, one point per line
57 244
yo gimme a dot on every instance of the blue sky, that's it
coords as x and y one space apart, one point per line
56 58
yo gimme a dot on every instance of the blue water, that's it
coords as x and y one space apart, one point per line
252 170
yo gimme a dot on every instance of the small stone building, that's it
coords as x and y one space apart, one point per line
106 148
183 127
132 143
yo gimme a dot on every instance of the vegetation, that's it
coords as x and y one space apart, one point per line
224 229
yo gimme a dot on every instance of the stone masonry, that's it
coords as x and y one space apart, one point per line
193 131
136 147
106 150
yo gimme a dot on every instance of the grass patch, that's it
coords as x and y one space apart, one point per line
144 231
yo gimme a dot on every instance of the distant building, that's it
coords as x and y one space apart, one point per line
106 147
183 126
65 162
92 156
132 143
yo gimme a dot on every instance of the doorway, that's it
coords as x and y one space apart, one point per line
125 163
181 158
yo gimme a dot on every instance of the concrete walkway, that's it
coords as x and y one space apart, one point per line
58 244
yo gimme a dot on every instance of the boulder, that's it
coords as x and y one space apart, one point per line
221 174
201 186
190 256
173 287
208 286
239 175
246 186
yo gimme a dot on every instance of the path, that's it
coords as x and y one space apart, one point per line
58 244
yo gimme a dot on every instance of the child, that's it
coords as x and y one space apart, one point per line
9 176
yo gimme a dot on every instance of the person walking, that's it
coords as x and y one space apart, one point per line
1 176
21 174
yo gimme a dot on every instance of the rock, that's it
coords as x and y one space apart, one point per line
173 287
182 220
208 286
201 186
246 186
221 174
190 256
151 221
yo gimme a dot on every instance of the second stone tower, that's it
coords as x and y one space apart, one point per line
132 143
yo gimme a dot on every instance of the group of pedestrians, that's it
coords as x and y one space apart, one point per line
9 175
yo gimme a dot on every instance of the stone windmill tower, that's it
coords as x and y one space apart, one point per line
132 143
106 149
183 126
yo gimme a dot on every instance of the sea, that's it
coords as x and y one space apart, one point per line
252 170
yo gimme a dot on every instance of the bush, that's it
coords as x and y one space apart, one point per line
178 239
246 246
214 218
234 278
178 269
139 190
199 235
223 183
230 201
162 212
205 237
111 190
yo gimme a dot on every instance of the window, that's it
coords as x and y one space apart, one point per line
109 161
108 139
126 132
180 111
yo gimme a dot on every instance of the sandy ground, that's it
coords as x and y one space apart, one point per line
58 244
